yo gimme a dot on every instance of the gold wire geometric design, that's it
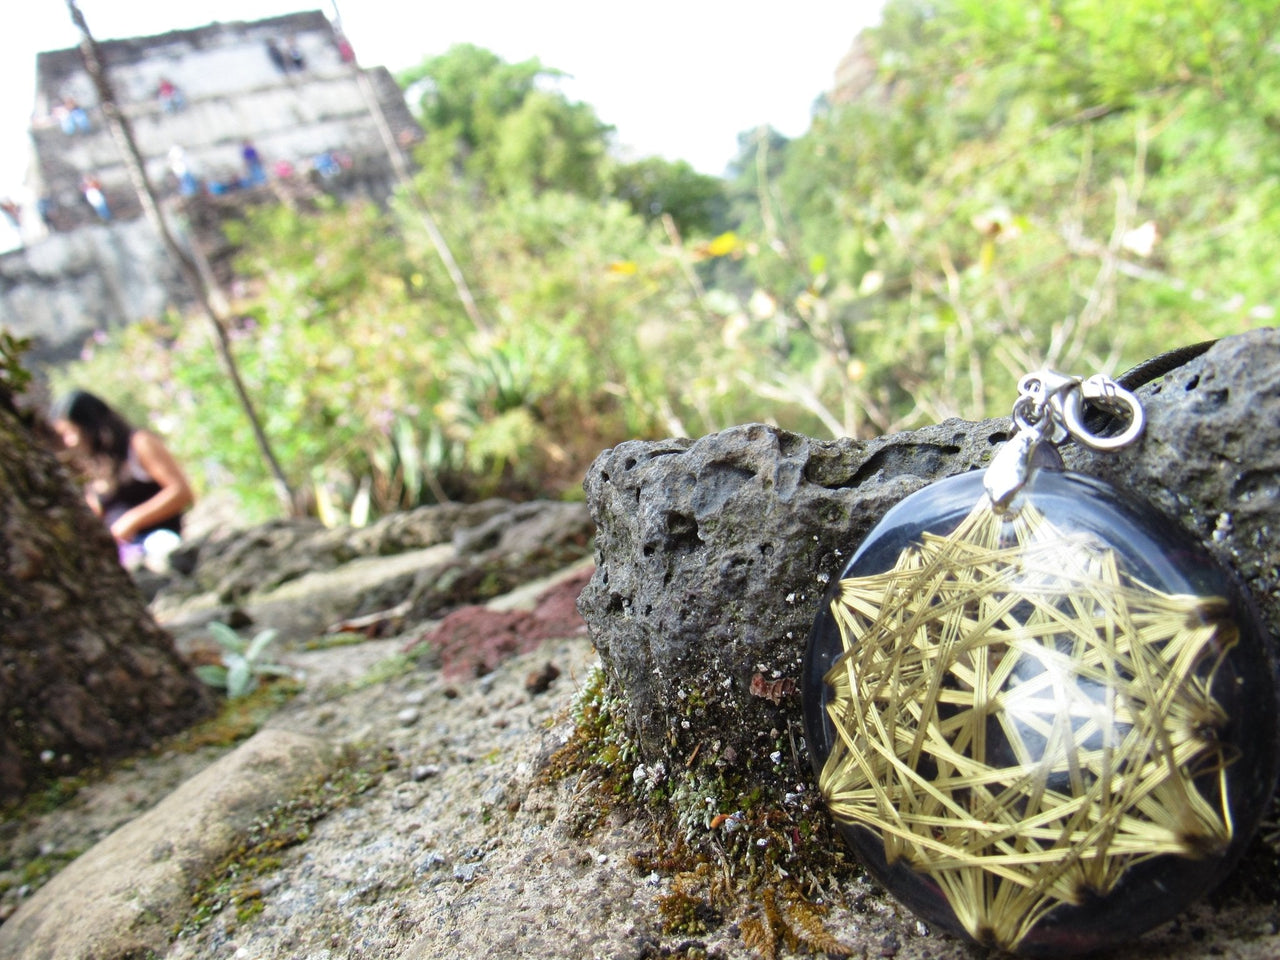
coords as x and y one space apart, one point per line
1022 722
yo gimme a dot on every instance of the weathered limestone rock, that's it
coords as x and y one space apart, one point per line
237 563
298 577
494 556
713 555
122 898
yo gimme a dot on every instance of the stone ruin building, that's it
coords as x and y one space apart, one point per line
287 86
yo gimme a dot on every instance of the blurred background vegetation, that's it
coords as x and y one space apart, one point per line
997 185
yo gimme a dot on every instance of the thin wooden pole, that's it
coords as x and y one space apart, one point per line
405 179
201 282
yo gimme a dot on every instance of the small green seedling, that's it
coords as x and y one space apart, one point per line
243 662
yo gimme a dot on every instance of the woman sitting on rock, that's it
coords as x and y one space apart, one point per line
134 483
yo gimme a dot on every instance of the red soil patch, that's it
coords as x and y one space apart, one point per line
473 640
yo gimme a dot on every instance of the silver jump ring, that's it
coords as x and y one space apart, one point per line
1111 397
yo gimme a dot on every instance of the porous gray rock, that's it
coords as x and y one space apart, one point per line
713 555
711 559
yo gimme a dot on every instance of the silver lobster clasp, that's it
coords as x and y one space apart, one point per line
1051 409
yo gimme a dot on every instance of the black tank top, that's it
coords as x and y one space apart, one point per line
131 491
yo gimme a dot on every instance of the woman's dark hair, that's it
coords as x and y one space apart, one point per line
105 432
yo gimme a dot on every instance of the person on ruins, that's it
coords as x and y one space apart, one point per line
92 190
255 173
132 480
12 212
188 183
71 116
277 57
47 207
346 52
294 52
170 97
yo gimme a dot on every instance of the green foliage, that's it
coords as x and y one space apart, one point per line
1010 185
13 376
654 187
502 125
1023 184
243 662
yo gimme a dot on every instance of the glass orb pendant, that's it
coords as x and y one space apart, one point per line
1043 716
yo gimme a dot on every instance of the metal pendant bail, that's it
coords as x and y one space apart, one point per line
1051 409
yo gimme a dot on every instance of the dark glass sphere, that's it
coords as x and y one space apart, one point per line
1047 731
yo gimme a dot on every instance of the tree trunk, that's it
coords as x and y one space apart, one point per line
85 672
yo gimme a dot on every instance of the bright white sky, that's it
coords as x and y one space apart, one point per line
677 78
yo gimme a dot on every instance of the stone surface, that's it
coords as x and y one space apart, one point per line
85 672
235 562
300 578
70 284
463 845
424 526
471 641
493 557
713 555
123 897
